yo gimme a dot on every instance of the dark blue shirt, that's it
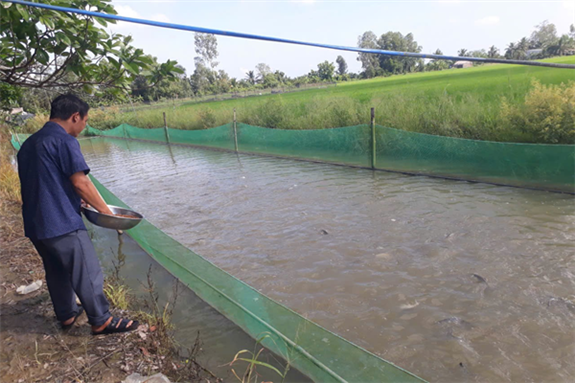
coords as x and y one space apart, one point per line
50 204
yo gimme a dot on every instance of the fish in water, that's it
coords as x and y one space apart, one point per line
408 306
456 321
479 278
561 304
455 327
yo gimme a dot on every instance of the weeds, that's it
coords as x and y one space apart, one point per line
9 181
118 295
250 374
159 317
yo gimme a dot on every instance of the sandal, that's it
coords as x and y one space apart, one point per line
69 326
118 325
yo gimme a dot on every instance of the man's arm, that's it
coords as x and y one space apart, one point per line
86 189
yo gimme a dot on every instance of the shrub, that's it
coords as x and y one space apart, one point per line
207 118
548 113
35 123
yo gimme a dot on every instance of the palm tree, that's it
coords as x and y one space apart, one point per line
251 77
522 47
462 52
562 46
510 51
493 52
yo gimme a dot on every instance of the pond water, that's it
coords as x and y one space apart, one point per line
450 280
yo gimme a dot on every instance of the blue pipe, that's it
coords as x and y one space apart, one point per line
280 40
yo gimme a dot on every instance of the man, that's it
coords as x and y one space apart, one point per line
54 181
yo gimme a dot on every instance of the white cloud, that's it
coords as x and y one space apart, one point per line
160 17
127 11
122 26
489 20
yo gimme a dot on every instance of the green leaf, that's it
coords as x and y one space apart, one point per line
47 21
6 5
114 61
254 361
88 89
22 10
42 57
101 21
130 67
60 36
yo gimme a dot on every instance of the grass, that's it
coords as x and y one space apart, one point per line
458 102
9 181
118 295
251 361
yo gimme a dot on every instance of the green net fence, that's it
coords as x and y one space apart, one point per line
539 166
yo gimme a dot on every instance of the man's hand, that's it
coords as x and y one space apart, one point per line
88 192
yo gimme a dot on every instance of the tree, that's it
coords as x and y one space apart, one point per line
561 47
262 70
207 48
493 52
543 36
395 41
369 61
175 88
521 48
341 65
10 96
434 65
49 49
251 77
510 51
202 78
325 70
462 52
572 31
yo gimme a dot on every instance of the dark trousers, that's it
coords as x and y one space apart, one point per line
71 265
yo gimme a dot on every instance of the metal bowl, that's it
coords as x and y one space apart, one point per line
112 221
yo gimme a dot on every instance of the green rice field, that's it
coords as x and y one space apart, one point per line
464 103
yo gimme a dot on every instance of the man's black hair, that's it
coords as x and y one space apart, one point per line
65 105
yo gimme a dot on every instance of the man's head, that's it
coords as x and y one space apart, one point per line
70 112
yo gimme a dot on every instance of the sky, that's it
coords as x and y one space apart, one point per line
447 25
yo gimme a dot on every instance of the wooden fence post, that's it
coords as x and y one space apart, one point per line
235 131
166 130
373 146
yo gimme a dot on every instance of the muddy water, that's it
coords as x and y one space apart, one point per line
220 339
450 280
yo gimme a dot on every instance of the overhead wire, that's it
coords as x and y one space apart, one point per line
219 32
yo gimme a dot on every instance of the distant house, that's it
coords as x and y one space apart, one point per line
462 64
18 116
533 52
